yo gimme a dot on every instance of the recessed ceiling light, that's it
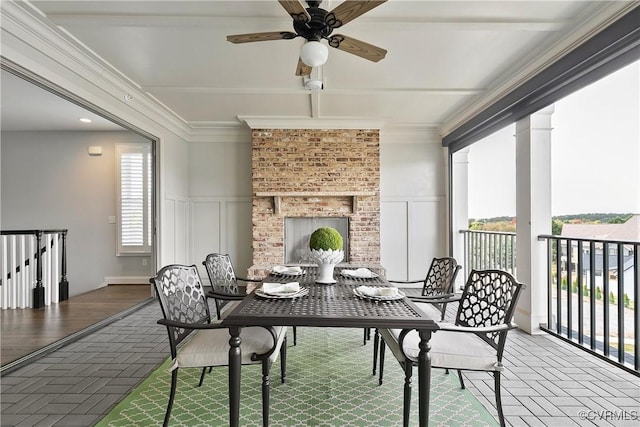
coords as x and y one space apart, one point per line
84 120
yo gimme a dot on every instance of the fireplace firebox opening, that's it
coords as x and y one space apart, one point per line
297 231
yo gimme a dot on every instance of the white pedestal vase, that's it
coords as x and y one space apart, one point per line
326 261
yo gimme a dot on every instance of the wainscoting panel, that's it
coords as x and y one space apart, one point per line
394 238
221 225
412 232
238 236
205 230
427 231
175 226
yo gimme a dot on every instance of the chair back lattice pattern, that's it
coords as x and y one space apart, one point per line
441 275
182 298
221 274
489 298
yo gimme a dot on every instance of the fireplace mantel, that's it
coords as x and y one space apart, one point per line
277 195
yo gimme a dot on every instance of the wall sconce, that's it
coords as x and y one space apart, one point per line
95 150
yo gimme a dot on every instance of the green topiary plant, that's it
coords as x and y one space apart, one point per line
325 238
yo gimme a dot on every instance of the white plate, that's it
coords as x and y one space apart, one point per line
354 274
287 273
380 298
300 293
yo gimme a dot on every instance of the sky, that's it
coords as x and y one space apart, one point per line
595 154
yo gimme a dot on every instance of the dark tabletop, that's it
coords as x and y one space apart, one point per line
328 306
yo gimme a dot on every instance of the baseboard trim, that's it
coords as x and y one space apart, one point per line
127 280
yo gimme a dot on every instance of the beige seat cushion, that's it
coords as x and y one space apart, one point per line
453 350
210 347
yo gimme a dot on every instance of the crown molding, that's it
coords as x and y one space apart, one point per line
309 123
411 134
219 132
78 69
241 132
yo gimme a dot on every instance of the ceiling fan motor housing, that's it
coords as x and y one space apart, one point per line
316 28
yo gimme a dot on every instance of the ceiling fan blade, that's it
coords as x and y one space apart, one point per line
303 69
261 37
349 10
357 47
296 9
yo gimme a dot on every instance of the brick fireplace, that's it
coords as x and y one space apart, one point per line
315 173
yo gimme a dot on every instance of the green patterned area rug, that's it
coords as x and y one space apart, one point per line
329 383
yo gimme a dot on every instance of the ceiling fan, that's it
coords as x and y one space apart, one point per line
314 24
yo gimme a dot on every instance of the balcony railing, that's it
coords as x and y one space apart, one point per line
592 289
489 250
592 294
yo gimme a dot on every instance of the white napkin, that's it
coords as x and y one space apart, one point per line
283 269
281 288
364 273
371 291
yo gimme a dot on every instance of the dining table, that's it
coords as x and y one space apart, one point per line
340 304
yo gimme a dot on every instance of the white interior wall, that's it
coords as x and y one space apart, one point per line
27 48
50 182
413 207
220 200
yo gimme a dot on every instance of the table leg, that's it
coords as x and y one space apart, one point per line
424 377
235 364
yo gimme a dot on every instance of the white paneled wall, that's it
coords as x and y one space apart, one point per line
411 234
221 225
413 223
175 216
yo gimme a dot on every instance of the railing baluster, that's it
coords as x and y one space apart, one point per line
12 302
579 273
605 297
636 312
569 291
482 240
592 301
559 286
4 271
22 283
620 303
494 252
549 283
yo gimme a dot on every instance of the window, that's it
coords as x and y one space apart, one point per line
134 180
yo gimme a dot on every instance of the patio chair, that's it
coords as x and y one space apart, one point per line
198 342
436 286
474 342
224 283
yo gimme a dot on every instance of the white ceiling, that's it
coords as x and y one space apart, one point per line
26 106
445 58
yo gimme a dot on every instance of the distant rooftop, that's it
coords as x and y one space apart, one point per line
629 231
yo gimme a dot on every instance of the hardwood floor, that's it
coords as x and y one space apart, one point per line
24 331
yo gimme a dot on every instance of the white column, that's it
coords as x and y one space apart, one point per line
533 211
460 216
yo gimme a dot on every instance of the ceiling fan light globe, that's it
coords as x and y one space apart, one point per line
314 53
